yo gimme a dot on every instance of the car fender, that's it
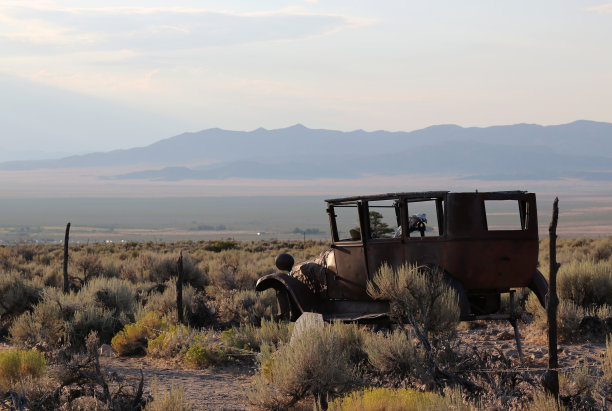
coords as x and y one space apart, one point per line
539 286
302 297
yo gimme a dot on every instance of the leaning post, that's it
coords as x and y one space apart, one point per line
179 289
66 240
551 378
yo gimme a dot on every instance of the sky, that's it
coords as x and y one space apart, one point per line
80 76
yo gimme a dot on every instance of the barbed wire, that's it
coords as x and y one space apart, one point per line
520 369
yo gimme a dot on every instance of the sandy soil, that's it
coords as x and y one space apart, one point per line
222 388
500 335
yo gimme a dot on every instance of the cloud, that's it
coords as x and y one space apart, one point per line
158 28
602 8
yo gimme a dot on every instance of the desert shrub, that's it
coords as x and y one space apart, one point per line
169 400
103 305
244 306
421 298
249 337
16 365
171 342
17 294
220 245
274 333
392 353
576 387
569 316
245 337
603 250
159 269
317 363
91 318
113 294
236 269
586 283
53 277
206 350
27 253
43 325
376 399
134 337
165 303
89 266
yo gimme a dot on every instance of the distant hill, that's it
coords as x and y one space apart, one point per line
582 149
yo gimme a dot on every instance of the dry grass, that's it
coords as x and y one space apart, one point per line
169 400
17 365
378 399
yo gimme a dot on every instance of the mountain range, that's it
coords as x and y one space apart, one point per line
582 149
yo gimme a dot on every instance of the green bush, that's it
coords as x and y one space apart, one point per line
377 399
586 283
15 365
245 337
206 350
392 353
171 342
134 337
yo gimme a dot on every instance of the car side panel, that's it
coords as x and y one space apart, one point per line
350 279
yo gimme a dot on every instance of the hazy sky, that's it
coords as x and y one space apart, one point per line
95 75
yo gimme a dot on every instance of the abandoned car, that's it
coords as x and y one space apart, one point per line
486 243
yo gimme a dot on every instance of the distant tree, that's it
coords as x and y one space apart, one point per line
379 228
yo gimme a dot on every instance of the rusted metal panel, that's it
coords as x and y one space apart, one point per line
351 275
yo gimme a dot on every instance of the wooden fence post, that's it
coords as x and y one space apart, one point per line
551 378
179 289
66 241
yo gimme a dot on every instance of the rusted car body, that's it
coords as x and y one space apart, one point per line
485 242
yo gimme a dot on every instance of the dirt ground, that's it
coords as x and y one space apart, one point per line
216 388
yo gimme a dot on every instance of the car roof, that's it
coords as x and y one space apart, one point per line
413 194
